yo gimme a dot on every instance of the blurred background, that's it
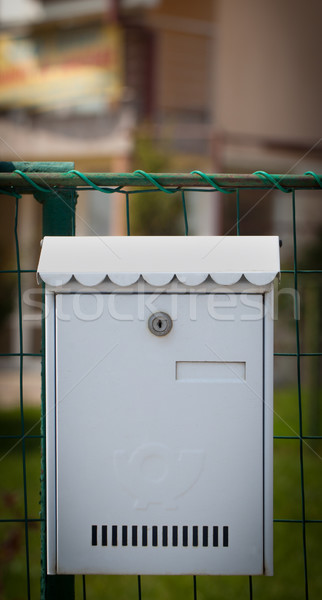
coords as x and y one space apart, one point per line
165 86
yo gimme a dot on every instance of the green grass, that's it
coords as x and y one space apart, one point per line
287 582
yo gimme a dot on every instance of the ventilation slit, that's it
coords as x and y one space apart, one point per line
195 535
124 535
174 535
114 535
144 535
94 535
205 535
215 536
225 536
164 535
154 535
104 535
185 535
134 535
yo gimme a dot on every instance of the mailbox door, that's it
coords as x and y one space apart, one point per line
159 465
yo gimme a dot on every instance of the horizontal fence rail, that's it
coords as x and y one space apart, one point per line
28 181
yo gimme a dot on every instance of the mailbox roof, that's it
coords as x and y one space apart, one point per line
158 259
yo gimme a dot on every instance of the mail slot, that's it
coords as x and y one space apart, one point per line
159 390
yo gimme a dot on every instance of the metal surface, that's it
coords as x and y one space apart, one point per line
157 259
157 454
211 356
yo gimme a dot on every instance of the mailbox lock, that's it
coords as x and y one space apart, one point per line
160 323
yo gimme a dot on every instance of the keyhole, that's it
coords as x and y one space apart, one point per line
160 323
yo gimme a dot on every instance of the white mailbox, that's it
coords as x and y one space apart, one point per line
159 378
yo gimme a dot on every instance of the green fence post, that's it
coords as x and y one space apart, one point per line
58 219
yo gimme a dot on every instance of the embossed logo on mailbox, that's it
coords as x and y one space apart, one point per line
156 474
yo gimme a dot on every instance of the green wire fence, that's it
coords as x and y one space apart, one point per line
55 186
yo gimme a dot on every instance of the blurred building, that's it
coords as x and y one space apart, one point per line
118 61
267 114
78 78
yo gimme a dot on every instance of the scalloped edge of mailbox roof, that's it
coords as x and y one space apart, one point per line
158 259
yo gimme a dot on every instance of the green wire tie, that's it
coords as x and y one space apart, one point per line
211 182
154 182
93 185
167 191
316 177
31 182
275 182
